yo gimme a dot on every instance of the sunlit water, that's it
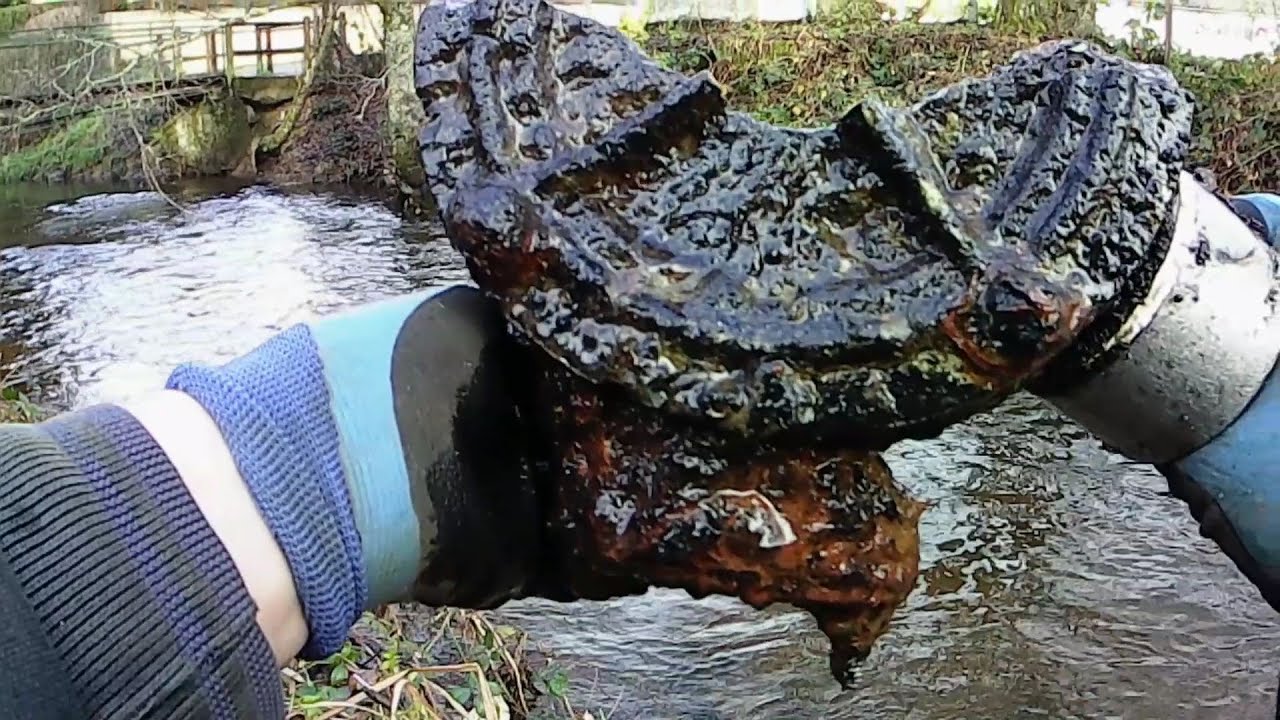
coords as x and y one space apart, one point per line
1058 580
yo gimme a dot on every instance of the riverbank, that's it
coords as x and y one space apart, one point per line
431 665
789 73
808 74
323 128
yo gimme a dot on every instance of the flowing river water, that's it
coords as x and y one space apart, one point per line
1058 580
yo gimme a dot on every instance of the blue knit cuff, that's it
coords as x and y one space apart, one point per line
272 406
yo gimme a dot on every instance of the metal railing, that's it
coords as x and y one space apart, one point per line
106 6
280 49
69 59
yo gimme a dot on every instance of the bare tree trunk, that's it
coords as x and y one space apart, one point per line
1007 12
404 112
311 74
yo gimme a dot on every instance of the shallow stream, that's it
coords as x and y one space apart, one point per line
1059 580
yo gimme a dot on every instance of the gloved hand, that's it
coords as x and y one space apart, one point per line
1263 210
385 451
1231 484
1196 391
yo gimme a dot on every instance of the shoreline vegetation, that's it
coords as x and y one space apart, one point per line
432 664
351 120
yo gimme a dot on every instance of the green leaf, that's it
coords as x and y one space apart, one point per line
338 675
461 693
312 694
506 632
390 661
349 654
557 683
309 694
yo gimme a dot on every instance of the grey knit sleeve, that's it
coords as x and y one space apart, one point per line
132 589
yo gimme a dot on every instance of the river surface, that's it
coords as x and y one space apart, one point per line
1058 580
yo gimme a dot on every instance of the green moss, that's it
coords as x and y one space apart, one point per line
13 18
407 161
209 138
78 147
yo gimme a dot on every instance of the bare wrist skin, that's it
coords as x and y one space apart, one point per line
191 440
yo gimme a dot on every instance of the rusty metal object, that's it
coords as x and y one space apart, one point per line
774 302
646 501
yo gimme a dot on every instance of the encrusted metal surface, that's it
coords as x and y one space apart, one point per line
645 502
783 295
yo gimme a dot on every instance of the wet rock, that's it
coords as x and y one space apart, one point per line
209 138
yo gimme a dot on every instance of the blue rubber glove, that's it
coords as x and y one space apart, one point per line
386 453
1231 484
1263 209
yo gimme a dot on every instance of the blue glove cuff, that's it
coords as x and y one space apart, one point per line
272 407
356 349
1265 208
1238 469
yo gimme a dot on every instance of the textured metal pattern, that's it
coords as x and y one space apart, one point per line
729 318
875 280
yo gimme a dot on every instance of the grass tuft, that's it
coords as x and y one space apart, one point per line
15 405
414 663
809 74
80 146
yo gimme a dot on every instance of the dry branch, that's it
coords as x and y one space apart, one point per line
58 77
311 75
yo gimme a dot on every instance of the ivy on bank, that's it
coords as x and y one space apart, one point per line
13 17
808 74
